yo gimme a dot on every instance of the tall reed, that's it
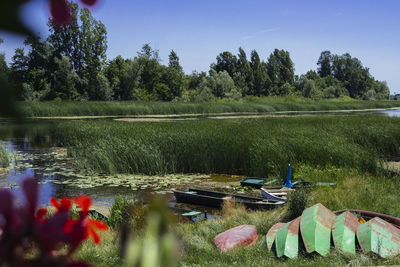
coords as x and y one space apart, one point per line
248 104
239 146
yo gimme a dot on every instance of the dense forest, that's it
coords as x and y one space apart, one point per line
71 64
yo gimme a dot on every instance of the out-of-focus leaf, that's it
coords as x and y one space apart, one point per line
9 16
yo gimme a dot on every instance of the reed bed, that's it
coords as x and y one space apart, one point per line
260 147
248 104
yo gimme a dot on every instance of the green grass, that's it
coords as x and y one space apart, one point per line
258 147
354 189
105 254
4 160
248 104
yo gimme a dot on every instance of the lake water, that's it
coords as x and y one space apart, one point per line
391 113
35 153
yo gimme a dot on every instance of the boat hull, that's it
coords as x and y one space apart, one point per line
272 196
380 237
315 226
344 232
216 199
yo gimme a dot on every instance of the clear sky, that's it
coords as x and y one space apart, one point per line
199 30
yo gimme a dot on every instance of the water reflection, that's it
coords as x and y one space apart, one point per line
34 153
391 113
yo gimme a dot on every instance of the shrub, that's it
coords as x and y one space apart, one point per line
119 212
297 202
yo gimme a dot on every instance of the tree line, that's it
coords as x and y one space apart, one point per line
71 64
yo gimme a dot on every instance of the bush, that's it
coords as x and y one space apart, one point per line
119 212
297 202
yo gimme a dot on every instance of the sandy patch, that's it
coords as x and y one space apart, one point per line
393 166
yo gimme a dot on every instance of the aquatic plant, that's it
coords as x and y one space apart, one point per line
260 147
248 104
31 237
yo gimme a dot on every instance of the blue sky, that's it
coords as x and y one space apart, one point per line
199 30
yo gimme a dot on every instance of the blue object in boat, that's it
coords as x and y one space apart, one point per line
288 183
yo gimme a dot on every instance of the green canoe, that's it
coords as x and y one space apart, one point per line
344 232
315 226
287 240
380 237
270 237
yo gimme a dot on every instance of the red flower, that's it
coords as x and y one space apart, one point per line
92 226
83 228
25 229
64 205
89 2
83 202
41 214
60 11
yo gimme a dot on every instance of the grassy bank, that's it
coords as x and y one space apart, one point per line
248 104
240 146
3 156
369 192
376 193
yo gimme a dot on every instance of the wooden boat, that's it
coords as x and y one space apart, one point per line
271 235
367 215
380 237
344 232
315 226
185 212
216 199
256 182
287 240
275 194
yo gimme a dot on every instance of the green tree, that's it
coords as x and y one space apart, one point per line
116 71
66 39
354 76
93 43
243 76
222 85
203 91
193 80
8 90
84 42
64 80
103 91
280 69
174 61
325 64
40 65
19 66
381 90
148 60
3 63
260 79
226 61
173 76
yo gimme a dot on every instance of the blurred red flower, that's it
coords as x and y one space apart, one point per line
60 10
27 228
